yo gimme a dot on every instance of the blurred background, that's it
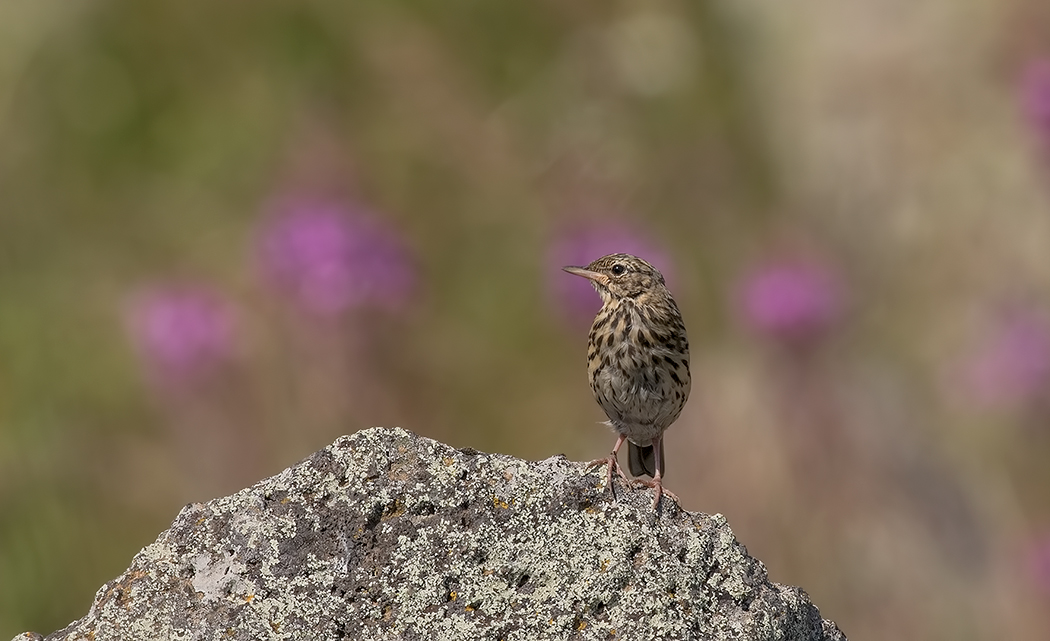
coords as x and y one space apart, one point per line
231 232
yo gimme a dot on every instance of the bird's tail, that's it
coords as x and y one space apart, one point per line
641 459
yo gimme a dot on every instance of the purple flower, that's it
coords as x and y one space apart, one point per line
790 299
1035 98
329 258
574 296
1039 563
1012 365
181 331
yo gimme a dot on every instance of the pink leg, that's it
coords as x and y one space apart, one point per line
656 483
611 462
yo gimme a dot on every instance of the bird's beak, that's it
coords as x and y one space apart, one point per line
588 274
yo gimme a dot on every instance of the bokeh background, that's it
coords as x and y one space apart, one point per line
232 231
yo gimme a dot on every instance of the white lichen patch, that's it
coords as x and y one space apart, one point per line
220 578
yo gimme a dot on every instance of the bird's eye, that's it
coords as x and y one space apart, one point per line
618 269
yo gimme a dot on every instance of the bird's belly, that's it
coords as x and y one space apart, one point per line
639 401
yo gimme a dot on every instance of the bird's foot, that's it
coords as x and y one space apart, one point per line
658 489
611 464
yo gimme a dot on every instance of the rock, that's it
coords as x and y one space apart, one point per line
388 535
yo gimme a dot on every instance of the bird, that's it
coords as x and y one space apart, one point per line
637 362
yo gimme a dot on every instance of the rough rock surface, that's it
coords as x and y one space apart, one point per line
388 535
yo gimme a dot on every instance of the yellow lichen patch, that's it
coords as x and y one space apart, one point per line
604 565
397 508
286 500
249 598
120 591
452 596
201 520
448 460
581 625
498 502
275 626
468 608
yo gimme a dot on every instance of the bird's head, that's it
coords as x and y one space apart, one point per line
620 276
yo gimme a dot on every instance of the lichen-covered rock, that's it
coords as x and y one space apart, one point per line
388 535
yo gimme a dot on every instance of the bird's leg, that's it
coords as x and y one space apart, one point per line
656 483
611 463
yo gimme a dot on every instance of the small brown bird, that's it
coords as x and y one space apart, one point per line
637 360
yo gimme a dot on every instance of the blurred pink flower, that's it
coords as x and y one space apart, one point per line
329 258
1035 98
574 296
181 332
790 299
1012 364
1039 563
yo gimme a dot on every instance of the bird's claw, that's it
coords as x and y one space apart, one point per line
611 463
658 490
